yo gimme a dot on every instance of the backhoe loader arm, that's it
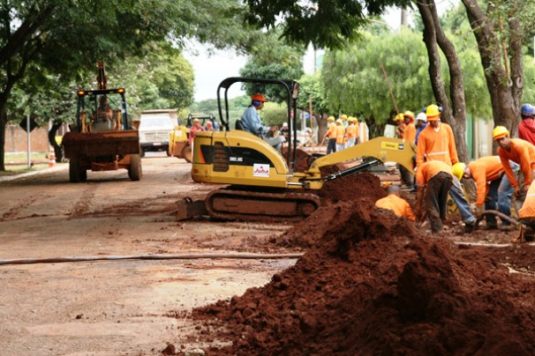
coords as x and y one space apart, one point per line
383 148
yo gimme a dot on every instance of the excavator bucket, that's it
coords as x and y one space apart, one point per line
189 208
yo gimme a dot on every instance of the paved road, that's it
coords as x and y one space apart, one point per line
125 307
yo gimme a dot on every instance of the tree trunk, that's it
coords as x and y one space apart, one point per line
3 125
453 114
505 88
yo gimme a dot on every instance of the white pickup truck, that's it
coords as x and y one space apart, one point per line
154 129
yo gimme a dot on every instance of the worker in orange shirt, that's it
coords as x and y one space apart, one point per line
436 177
340 135
410 129
493 188
394 202
330 136
527 217
436 143
518 151
351 132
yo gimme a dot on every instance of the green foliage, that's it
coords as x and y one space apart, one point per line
325 23
272 59
312 88
274 114
355 83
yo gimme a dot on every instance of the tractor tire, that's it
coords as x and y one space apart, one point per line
74 171
142 153
134 170
187 154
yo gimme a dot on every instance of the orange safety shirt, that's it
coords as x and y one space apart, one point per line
398 205
331 131
352 131
428 170
528 207
523 153
340 134
484 171
436 146
410 133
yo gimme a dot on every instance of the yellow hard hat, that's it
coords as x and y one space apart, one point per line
458 170
409 114
339 121
399 117
499 132
330 118
343 117
432 112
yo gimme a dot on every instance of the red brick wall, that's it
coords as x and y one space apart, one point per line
16 139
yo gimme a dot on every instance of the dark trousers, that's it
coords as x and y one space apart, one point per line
437 190
406 176
331 145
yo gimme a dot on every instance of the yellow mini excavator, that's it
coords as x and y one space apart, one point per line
260 181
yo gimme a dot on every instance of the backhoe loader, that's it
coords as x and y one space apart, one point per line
179 145
102 138
261 182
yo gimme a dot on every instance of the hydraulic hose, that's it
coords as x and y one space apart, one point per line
497 213
190 256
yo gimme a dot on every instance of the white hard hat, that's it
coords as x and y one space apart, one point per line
422 117
285 124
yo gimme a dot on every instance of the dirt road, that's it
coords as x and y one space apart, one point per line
116 307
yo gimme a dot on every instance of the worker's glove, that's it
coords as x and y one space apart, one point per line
518 192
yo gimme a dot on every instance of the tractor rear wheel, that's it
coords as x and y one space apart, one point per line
187 154
134 170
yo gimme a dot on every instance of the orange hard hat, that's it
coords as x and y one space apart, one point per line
196 121
259 97
209 123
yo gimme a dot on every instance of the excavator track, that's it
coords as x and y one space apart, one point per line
254 206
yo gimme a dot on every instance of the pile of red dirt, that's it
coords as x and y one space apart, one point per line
372 284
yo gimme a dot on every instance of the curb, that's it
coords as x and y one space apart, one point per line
58 167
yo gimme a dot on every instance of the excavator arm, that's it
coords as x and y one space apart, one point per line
383 149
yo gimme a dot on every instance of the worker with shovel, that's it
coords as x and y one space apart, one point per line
493 188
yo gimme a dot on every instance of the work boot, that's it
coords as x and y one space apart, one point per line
468 228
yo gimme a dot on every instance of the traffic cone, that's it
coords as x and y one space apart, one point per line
51 157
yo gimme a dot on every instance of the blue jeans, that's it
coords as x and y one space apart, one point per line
500 192
457 194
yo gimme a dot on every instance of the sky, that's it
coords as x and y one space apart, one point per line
210 70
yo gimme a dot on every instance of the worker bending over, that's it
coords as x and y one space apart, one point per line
520 152
493 188
394 202
436 177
